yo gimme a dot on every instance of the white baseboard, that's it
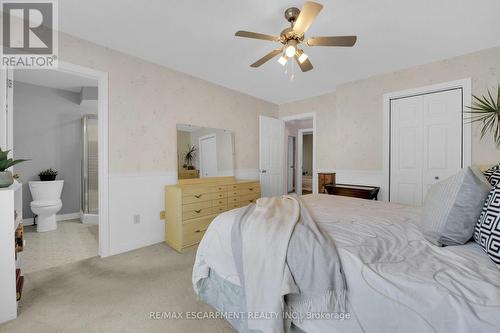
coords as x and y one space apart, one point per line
89 218
61 217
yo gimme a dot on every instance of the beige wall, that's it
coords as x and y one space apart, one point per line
350 119
324 106
146 101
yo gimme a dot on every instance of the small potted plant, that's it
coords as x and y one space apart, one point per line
47 175
189 157
6 178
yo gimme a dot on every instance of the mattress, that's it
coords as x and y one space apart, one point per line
396 280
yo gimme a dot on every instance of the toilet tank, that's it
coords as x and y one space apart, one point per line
46 191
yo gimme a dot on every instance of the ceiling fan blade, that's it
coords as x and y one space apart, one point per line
306 17
305 65
266 58
346 41
256 35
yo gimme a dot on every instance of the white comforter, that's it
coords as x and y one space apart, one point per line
396 280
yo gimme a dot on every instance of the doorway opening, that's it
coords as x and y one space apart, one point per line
58 120
299 155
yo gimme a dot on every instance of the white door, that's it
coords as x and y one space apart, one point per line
443 121
291 163
426 143
208 156
271 155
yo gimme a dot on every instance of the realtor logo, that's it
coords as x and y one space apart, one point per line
29 34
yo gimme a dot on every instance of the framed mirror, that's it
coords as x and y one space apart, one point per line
204 152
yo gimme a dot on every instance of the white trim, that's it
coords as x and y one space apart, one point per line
466 87
102 121
302 116
201 138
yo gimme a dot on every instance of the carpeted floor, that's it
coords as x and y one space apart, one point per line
114 294
70 242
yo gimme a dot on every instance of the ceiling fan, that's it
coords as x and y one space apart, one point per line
292 37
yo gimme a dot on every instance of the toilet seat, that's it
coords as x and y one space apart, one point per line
44 203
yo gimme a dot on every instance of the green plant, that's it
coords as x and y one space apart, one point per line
190 155
47 174
6 162
486 109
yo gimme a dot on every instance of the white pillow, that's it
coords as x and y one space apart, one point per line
452 208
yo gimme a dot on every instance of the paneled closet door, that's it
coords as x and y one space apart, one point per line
442 136
426 143
406 150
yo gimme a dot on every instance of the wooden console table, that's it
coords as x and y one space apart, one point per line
356 191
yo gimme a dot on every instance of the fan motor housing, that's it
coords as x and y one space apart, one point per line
291 14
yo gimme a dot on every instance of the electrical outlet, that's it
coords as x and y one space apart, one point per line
137 219
162 215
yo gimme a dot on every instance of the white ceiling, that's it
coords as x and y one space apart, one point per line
53 79
197 37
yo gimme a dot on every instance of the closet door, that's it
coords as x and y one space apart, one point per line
442 136
406 150
426 143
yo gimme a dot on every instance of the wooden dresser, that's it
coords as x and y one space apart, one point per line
192 204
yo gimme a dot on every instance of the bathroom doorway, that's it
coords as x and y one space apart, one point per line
56 124
299 154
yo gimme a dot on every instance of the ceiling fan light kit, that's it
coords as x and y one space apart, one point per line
291 38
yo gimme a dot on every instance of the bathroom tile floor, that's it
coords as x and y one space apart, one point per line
72 241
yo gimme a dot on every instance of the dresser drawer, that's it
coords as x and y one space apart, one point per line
195 190
218 195
188 199
244 191
219 202
249 197
196 206
250 186
193 231
195 213
219 188
220 209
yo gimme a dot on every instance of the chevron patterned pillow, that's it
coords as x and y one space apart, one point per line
487 230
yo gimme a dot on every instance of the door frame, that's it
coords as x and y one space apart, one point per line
304 116
103 148
201 138
464 84
300 157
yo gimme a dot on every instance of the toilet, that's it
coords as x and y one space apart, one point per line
46 203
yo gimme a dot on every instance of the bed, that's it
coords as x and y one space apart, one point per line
396 280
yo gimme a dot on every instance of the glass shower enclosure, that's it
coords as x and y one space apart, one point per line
90 167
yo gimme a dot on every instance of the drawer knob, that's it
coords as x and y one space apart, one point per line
198 211
251 188
197 196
